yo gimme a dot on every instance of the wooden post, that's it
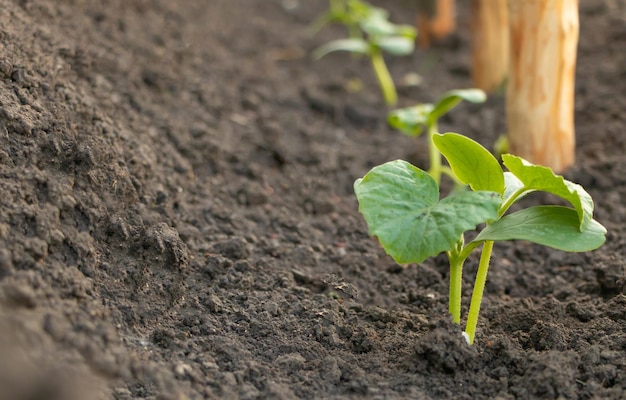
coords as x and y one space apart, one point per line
436 19
540 91
489 28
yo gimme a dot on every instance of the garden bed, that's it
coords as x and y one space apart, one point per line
178 219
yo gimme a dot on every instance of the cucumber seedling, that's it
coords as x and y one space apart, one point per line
349 13
414 120
402 207
375 35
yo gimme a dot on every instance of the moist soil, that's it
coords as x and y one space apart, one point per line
177 217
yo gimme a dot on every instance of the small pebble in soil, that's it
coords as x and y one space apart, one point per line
182 370
5 69
213 304
18 75
291 361
6 263
19 295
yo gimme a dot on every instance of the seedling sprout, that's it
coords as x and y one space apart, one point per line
412 121
401 206
349 13
374 36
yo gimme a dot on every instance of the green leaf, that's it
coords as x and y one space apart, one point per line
401 206
552 226
359 11
410 120
376 25
511 185
396 45
354 45
537 177
450 99
471 163
407 31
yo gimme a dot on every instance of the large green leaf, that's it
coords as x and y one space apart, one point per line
353 45
471 163
537 177
410 120
552 226
450 99
401 206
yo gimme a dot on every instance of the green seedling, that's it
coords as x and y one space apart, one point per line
412 121
378 36
349 13
402 207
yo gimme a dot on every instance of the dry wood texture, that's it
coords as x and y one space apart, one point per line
490 43
540 91
435 20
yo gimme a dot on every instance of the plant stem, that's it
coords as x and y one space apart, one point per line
479 288
384 77
467 250
434 155
458 185
509 202
456 280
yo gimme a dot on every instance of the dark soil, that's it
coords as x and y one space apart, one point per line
177 217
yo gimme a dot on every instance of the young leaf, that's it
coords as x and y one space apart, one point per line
377 25
407 31
401 206
354 45
536 177
365 11
450 100
552 226
396 45
511 185
410 120
471 163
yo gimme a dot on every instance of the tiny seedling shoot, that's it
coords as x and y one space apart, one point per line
378 35
402 207
412 121
349 13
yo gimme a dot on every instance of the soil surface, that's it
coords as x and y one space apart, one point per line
177 217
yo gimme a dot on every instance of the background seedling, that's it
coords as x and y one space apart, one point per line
412 121
349 13
401 206
374 36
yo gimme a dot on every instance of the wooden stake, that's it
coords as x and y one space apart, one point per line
435 20
489 28
540 91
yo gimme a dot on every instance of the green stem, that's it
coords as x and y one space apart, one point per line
384 77
509 202
467 250
445 170
479 288
456 280
433 154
